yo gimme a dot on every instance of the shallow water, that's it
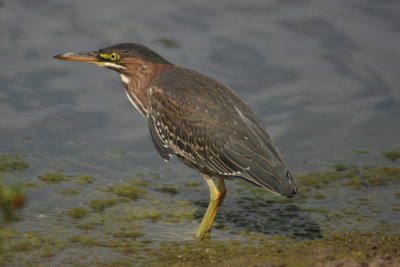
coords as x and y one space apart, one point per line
323 75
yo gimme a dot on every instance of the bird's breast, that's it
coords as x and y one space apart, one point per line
133 98
125 80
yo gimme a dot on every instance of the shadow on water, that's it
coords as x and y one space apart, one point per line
265 216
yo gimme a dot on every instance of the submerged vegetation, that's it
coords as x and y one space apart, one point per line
78 213
56 177
350 176
12 195
340 218
338 249
129 190
11 198
12 163
52 177
393 155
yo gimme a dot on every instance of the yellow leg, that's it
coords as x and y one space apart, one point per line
217 194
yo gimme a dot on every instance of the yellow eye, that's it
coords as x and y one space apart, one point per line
110 57
114 56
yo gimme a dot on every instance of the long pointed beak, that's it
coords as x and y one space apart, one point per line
90 57
87 57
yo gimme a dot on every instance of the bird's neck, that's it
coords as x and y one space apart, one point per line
137 79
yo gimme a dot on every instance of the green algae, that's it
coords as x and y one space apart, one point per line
128 234
351 176
57 177
30 184
30 241
344 167
380 176
78 212
341 247
14 243
278 251
144 213
12 163
172 212
167 189
319 196
140 182
83 240
354 183
139 176
102 204
69 192
83 179
396 207
304 231
192 184
393 155
87 226
11 197
116 262
343 198
320 179
177 211
154 175
127 189
52 177
179 216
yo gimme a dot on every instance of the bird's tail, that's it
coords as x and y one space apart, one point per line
273 177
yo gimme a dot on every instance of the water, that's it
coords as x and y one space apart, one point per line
323 75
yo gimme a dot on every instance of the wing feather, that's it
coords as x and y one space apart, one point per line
220 140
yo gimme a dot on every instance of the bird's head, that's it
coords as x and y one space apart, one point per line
123 58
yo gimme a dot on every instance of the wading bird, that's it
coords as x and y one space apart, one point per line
198 119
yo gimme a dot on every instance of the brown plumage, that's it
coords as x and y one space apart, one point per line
196 118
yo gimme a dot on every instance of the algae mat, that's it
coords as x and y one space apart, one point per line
347 215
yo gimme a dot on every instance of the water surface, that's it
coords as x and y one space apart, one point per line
323 75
